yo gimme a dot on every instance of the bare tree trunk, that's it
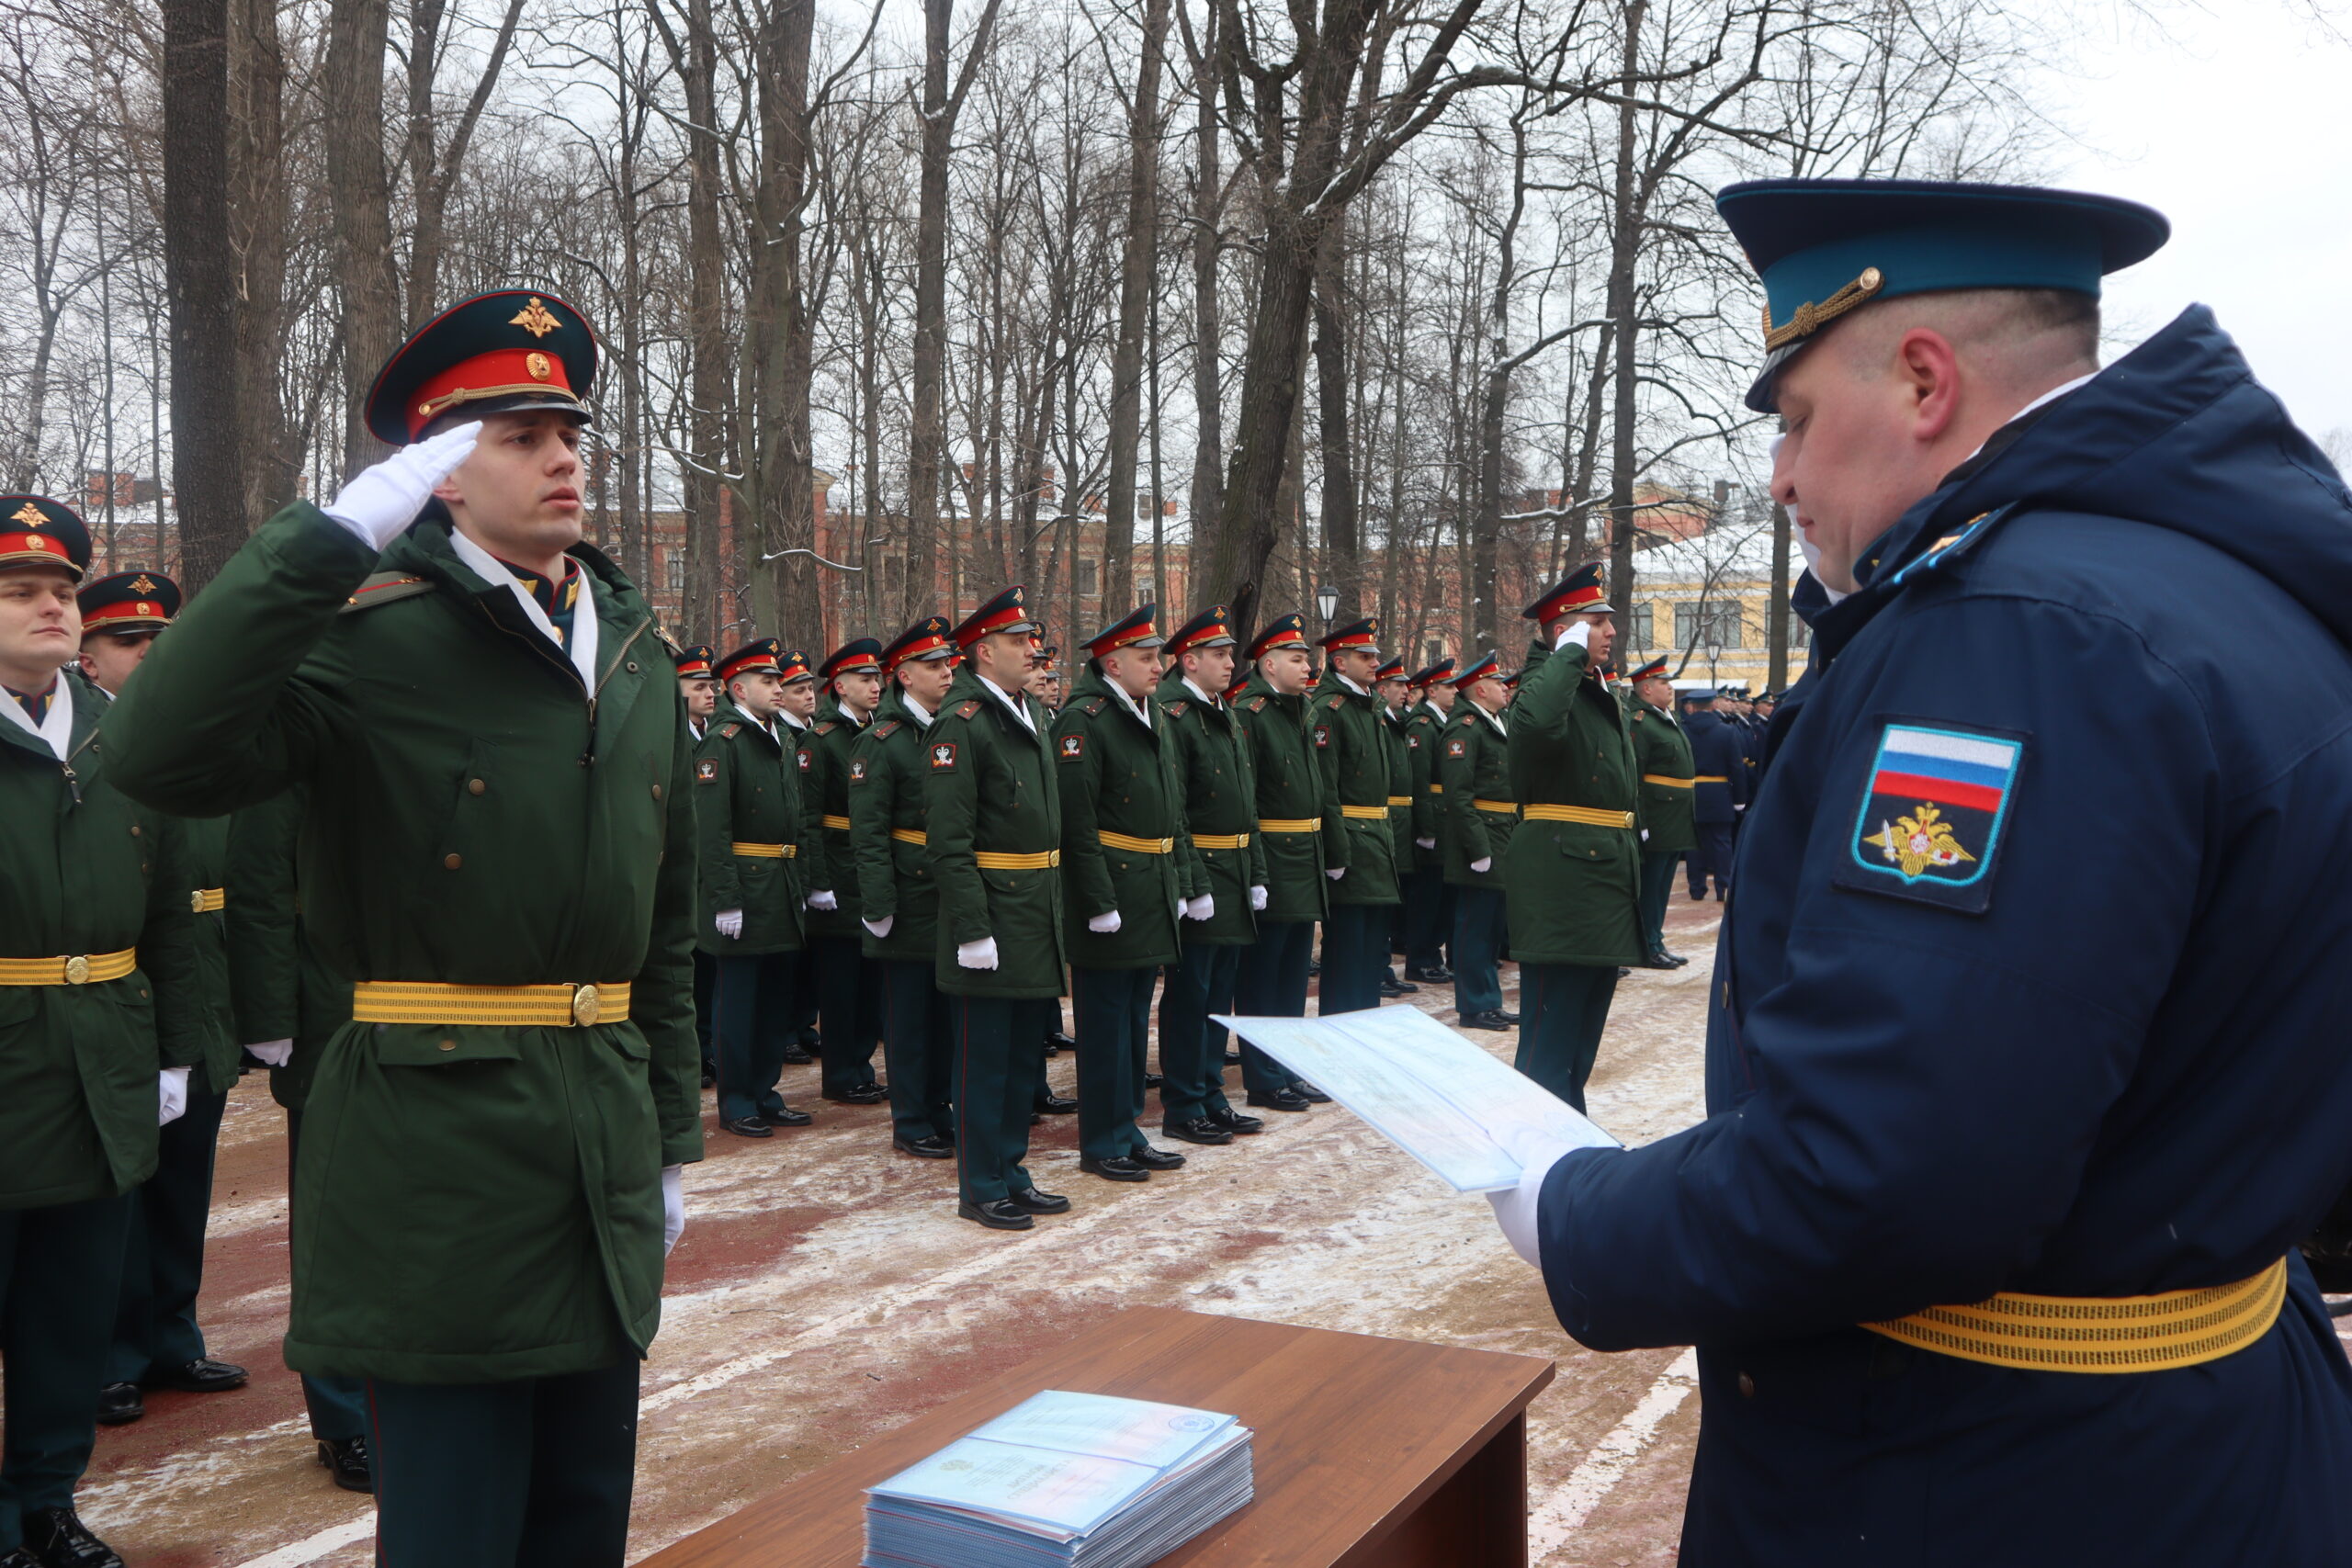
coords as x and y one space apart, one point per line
1341 537
784 592
200 270
257 219
1137 264
1247 528
707 312
1208 328
360 195
1625 246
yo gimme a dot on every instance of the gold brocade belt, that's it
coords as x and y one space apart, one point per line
1291 824
512 1007
1666 782
1220 840
1584 813
840 822
78 970
1397 800
1437 789
1044 859
1710 778
2100 1334
911 835
1129 842
1365 813
208 900
1500 807
766 852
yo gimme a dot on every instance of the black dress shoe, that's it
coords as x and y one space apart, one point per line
1390 990
1153 1080
346 1458
1314 967
1622 971
119 1403
1658 961
1057 1043
1510 1018
1198 1130
21 1558
1283 1099
202 1375
1118 1167
1491 1018
746 1127
997 1214
1151 1159
1234 1122
1233 1058
864 1094
1057 1105
1036 1202
1309 1093
787 1117
793 1057
1036 1118
924 1148
1435 975
59 1540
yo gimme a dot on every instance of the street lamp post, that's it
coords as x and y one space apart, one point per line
1327 603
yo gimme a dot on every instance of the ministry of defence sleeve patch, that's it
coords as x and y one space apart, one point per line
1933 810
1457 747
707 769
857 770
1322 735
943 756
1073 748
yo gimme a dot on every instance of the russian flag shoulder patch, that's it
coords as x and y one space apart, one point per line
1934 806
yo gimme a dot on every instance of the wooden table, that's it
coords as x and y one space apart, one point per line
1370 1453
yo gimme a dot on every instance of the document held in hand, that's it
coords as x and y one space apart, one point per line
1434 1093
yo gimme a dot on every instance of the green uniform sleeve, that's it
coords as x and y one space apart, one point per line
1459 775
1245 762
1421 772
871 789
661 998
714 810
168 952
265 963
1327 775
951 802
1085 875
1547 695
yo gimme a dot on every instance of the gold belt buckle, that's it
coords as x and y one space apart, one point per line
77 970
585 1007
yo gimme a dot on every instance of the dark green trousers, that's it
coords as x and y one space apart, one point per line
1192 1047
1272 983
752 1012
162 1259
849 1011
61 1269
1562 1008
1429 919
1114 1010
915 1046
529 1474
999 1045
1478 948
705 983
1355 954
1657 888
337 1406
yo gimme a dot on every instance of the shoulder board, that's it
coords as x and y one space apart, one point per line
1176 709
383 588
1335 701
1255 705
886 728
1639 716
827 727
728 730
1955 543
1093 706
1467 716
966 709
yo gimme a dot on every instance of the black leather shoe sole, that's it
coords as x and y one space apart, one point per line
859 1097
1240 1126
1157 1159
1392 989
347 1462
120 1404
1118 1169
1000 1215
1200 1130
924 1148
1032 1201
1282 1099
1483 1020
202 1376
748 1127
787 1117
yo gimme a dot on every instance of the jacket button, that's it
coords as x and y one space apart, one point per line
632 666
134 830
475 786
448 1045
453 862
657 792
1746 1386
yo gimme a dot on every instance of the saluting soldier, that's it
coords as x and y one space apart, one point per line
750 822
1479 811
897 900
157 1341
849 992
1128 876
1572 870
1390 686
1221 815
1662 752
698 689
1719 788
106 1014
995 822
1345 722
1295 797
500 828
1428 897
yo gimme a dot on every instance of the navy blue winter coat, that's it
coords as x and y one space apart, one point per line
2082 1033
1715 753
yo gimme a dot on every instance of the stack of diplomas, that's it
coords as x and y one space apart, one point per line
1080 1479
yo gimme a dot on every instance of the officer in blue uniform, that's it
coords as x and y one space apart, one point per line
2026 1060
1719 788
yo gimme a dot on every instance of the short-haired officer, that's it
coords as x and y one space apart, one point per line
795 709
1360 846
1428 897
1663 753
98 980
2026 1064
898 898
1475 825
501 825
849 990
698 689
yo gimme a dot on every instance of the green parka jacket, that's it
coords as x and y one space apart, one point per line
1662 752
1296 804
1220 806
477 1202
748 804
888 831
1422 726
1572 887
206 838
1347 730
281 988
1117 778
990 790
825 747
1474 764
86 872
1396 729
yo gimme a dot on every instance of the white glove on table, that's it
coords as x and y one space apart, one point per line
1257 898
1483 863
1425 843
981 954
1201 908
729 922
1103 925
1577 632
1335 872
824 901
1516 1208
276 1053
172 1095
674 1206
382 500
880 928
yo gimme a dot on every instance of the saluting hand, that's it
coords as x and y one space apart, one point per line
384 500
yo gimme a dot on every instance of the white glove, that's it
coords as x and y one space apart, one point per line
880 928
386 499
1103 925
276 1053
673 1207
823 901
1577 632
1335 872
1257 898
173 1095
1425 843
1483 863
1646 835
981 954
1201 908
1516 1208
730 922
1739 806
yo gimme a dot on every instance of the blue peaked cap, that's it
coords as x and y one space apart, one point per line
1824 247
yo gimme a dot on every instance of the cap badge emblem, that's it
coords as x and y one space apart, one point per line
536 319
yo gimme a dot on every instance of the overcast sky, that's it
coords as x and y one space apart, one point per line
2234 120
